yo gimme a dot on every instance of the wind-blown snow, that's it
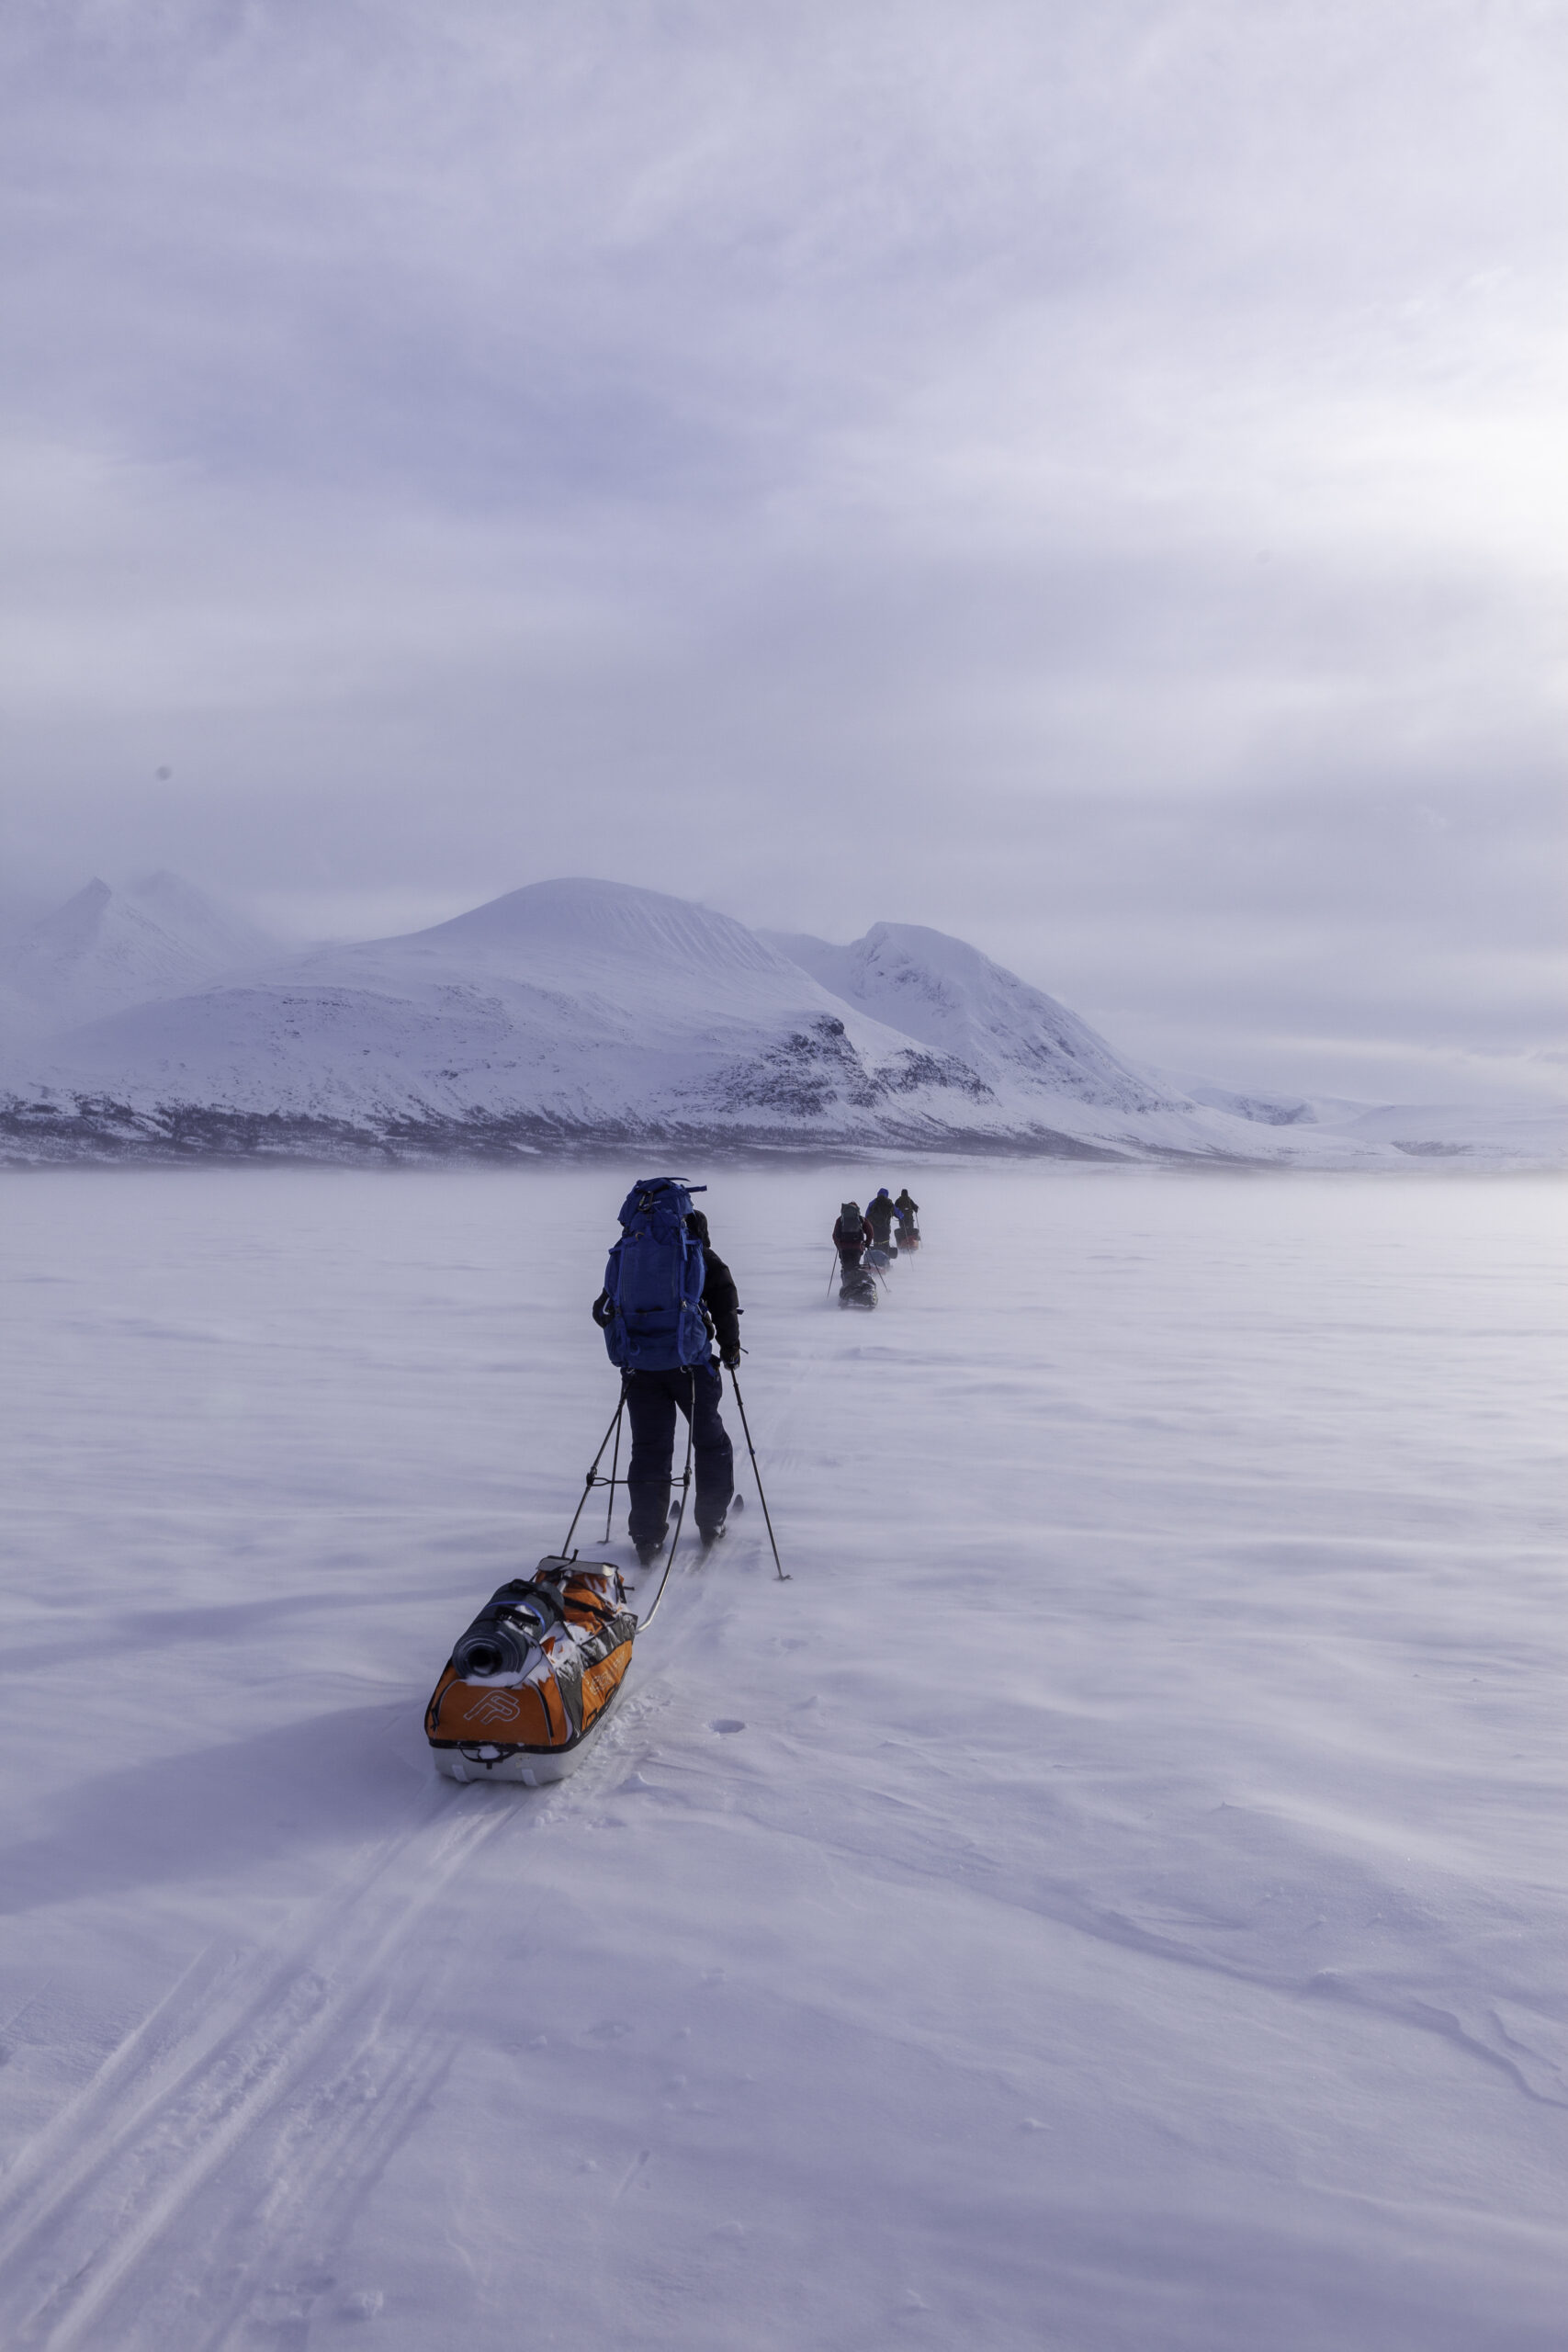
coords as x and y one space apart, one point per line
1112 1895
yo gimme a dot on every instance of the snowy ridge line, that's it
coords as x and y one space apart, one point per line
110 2178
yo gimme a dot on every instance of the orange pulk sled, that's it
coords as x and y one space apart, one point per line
535 1678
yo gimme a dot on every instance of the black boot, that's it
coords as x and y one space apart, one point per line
648 1519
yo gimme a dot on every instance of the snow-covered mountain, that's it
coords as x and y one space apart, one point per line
1267 1109
959 1003
1532 1134
105 950
571 1011
584 1013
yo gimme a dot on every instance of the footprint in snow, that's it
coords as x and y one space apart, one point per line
726 1722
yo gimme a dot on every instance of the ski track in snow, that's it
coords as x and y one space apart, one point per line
214 2186
231 2123
224 2147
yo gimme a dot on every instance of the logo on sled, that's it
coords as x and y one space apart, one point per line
496 1707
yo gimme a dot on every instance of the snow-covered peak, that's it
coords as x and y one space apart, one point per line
578 919
957 1001
105 950
650 960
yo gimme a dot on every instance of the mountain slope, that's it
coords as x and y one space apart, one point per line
105 950
955 1000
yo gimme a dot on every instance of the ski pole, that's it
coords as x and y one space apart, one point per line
755 1473
835 1268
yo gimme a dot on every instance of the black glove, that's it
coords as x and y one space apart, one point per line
731 1358
602 1311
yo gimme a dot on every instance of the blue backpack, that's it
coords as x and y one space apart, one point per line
654 1280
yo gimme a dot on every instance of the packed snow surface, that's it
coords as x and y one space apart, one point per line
1111 1898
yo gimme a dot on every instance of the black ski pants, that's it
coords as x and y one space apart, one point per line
653 1399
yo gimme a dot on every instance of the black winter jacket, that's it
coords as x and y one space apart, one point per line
722 1305
853 1238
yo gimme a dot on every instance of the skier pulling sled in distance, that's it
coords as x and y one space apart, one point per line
906 1211
852 1240
879 1216
669 1299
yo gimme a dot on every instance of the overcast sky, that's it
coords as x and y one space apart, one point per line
1088 475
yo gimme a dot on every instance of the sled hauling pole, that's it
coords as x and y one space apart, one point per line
755 1473
614 1465
592 1479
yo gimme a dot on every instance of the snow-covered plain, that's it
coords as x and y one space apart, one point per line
1112 1898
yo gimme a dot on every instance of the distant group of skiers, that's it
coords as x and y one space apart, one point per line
865 1243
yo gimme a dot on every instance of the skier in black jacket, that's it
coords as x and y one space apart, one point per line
852 1235
653 1399
879 1216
